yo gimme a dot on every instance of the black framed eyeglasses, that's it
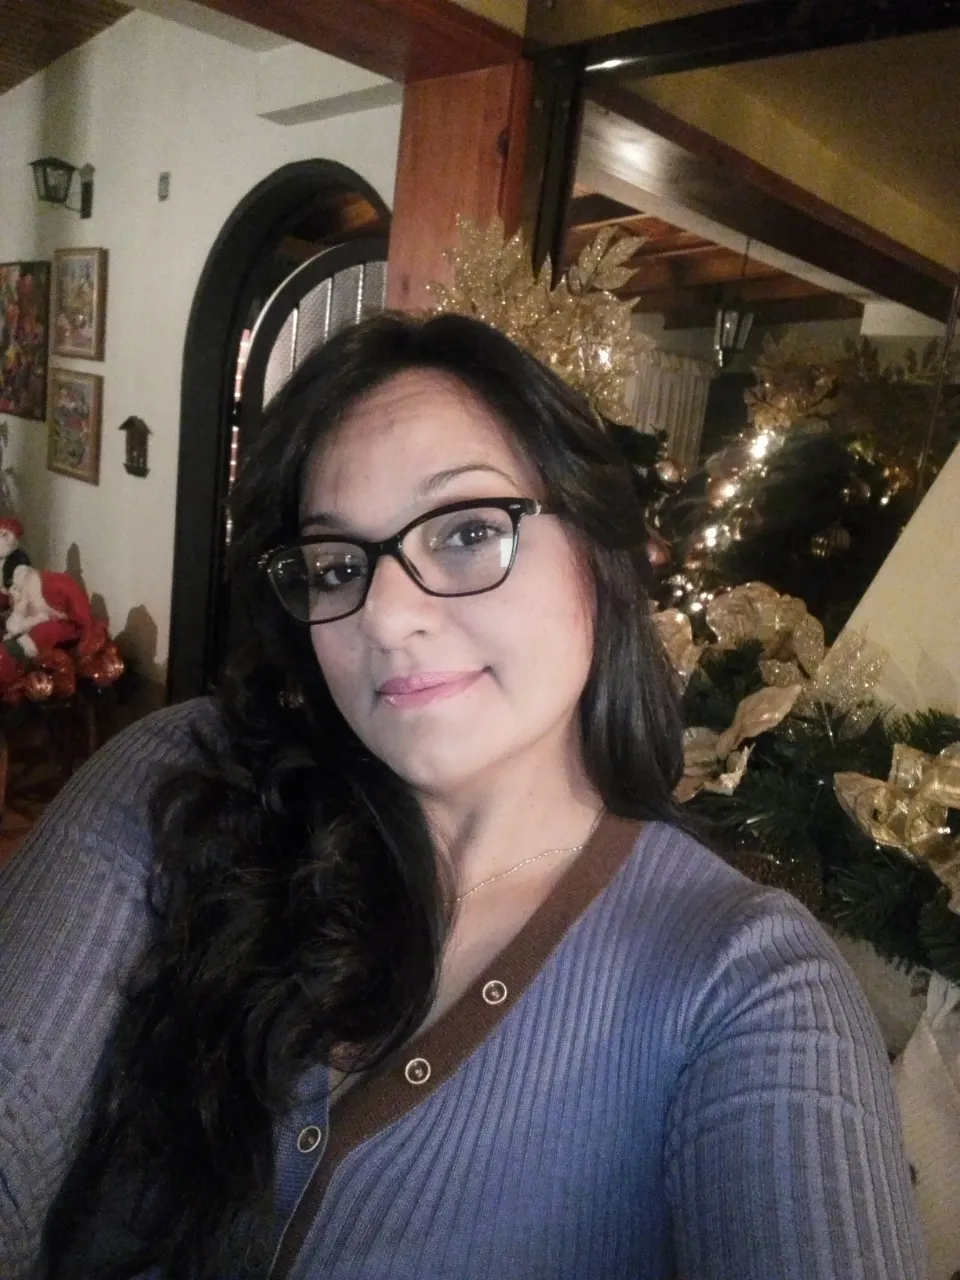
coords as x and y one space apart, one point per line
460 549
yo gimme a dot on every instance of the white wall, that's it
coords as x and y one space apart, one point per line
912 607
146 95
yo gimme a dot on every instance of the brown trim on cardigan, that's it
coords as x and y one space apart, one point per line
393 1088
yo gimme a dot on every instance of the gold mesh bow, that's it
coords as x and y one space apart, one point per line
794 651
910 810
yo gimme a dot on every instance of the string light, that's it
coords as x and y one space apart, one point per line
760 447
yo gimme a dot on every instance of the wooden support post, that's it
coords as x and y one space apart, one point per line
462 151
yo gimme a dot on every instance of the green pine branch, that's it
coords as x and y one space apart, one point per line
930 731
939 932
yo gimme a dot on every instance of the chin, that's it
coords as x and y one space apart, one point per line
439 774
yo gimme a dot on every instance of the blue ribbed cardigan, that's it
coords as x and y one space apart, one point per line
669 1073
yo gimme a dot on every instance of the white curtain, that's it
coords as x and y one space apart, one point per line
670 394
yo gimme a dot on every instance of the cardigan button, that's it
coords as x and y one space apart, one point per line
494 992
417 1071
309 1139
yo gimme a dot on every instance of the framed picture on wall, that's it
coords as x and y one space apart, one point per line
76 407
79 303
24 322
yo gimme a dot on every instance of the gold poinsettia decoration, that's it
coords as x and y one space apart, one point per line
718 761
579 328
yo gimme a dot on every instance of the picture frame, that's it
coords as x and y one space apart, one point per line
79 308
74 426
24 334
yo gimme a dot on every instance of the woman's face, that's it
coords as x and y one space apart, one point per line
507 668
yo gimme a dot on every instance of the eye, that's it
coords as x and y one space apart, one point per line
471 531
333 577
333 571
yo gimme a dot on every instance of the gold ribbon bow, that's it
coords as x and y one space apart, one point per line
909 811
712 761
788 633
676 635
794 651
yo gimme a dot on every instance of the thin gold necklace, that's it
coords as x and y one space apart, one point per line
502 875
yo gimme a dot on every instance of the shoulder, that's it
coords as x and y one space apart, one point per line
169 737
672 877
74 912
102 815
128 763
724 944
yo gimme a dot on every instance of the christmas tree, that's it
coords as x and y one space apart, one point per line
812 495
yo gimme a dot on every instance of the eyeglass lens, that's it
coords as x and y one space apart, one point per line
457 553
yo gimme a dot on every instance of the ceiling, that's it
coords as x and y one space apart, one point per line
892 104
37 32
553 22
872 129
889 109
684 276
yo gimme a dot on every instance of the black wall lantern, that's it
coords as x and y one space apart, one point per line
54 179
136 431
733 323
730 334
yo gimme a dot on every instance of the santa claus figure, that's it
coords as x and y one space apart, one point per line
48 610
12 556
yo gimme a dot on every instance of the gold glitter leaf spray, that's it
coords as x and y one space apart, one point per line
579 329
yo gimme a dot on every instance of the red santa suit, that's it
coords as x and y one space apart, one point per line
64 617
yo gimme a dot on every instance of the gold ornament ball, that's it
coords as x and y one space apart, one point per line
668 471
830 542
658 550
856 492
720 490
726 465
696 560
38 685
897 478
745 521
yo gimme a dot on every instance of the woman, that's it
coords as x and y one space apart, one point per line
436 985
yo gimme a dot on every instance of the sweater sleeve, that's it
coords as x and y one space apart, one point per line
784 1154
73 919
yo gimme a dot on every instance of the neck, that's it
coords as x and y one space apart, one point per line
531 806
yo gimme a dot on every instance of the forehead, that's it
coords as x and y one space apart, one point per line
415 425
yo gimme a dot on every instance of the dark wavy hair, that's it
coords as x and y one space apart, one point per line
298 896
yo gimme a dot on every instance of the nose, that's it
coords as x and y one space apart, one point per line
396 606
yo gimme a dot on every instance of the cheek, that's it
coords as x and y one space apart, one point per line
543 633
339 665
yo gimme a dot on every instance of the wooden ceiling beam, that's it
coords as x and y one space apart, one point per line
716 271
828 306
761 29
777 287
654 245
591 208
405 40
690 168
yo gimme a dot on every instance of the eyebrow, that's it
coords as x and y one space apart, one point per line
425 488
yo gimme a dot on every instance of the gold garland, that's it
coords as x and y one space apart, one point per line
579 328
886 405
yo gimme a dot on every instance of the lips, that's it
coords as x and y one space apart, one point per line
430 686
